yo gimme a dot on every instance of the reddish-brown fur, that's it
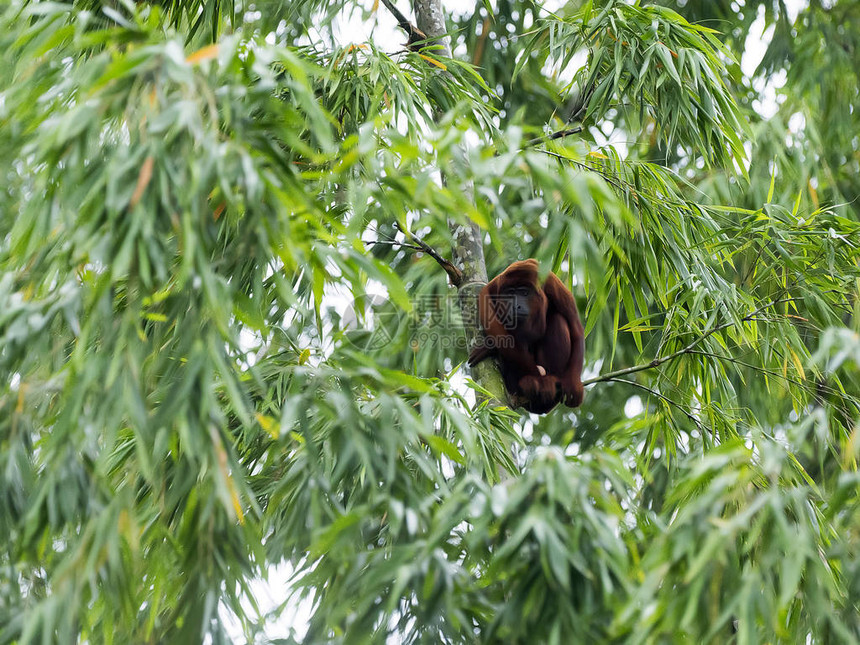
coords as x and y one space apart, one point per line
540 357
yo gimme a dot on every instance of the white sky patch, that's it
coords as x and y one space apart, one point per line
270 594
755 47
756 44
633 407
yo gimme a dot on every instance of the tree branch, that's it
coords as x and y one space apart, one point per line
454 274
685 350
467 252
612 180
755 368
404 245
674 404
555 135
415 35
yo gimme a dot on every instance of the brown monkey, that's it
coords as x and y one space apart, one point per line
535 333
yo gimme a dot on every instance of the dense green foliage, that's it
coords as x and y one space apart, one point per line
193 191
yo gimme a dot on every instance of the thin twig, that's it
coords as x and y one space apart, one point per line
813 389
404 245
555 135
454 274
674 404
761 370
577 110
415 35
685 350
610 179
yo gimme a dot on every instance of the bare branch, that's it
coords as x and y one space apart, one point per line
404 245
610 179
755 368
454 274
685 350
415 35
555 135
674 404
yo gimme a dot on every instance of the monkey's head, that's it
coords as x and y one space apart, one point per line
517 305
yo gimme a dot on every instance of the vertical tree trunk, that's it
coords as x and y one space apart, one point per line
468 249
431 20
